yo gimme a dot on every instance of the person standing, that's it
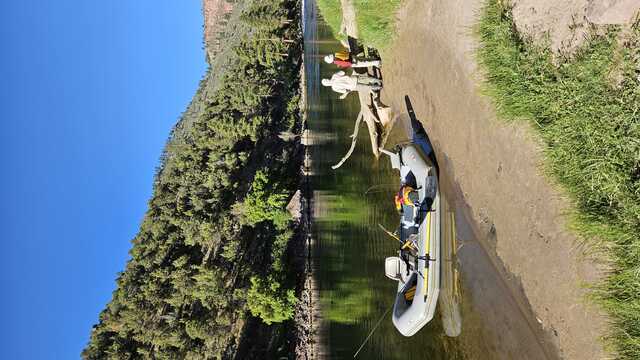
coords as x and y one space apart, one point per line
344 84
348 63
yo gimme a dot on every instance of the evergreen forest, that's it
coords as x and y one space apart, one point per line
214 260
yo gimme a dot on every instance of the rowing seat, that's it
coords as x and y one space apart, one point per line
395 269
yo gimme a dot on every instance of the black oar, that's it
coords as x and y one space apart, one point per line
415 124
419 130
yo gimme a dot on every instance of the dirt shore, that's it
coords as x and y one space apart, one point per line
514 212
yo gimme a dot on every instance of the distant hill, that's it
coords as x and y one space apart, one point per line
213 268
216 14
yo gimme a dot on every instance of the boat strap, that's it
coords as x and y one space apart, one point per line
409 294
426 258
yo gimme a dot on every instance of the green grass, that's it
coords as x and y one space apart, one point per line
331 11
587 111
376 20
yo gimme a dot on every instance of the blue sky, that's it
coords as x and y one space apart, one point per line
89 92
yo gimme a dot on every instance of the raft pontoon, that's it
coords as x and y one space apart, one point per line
417 268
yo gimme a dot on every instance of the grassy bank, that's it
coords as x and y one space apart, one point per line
376 19
586 110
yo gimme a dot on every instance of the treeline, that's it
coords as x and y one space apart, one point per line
215 242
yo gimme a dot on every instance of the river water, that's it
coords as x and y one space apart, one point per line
350 202
349 248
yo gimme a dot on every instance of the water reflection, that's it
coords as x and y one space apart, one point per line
349 246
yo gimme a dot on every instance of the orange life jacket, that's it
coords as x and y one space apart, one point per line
342 55
398 200
402 197
406 190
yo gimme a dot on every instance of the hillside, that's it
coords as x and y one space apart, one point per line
212 261
216 16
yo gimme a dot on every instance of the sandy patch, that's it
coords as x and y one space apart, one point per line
565 23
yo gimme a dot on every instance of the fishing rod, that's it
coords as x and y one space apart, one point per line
372 331
378 186
392 235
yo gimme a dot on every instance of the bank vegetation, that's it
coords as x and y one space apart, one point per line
587 109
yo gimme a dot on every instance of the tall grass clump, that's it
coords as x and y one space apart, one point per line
587 110
376 21
375 18
331 11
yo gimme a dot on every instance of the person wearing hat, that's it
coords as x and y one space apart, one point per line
407 196
345 62
344 84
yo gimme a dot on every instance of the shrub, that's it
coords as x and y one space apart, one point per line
269 302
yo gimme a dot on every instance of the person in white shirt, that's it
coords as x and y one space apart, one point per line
344 84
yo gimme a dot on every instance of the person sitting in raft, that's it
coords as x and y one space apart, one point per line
405 196
350 63
344 84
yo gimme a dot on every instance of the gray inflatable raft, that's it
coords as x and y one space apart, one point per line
417 271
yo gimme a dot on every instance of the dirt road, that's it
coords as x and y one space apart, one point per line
522 272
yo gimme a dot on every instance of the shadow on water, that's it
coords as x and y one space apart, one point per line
498 322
